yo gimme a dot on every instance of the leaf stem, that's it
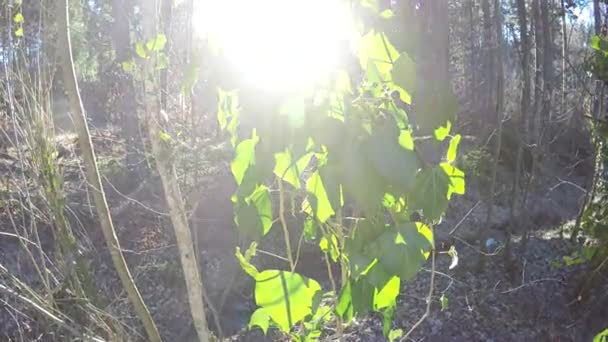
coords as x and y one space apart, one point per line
284 225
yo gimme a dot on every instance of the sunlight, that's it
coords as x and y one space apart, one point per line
278 45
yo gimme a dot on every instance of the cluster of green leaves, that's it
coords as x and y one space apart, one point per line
595 218
145 50
18 20
600 65
360 152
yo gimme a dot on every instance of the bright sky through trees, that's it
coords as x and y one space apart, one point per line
278 45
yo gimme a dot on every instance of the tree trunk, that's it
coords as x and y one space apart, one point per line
125 106
92 173
487 68
547 61
167 18
163 155
473 86
483 232
525 107
535 122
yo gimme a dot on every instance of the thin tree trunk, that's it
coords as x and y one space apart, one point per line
562 104
163 155
92 173
167 19
125 106
499 119
487 69
535 123
473 50
547 61
525 107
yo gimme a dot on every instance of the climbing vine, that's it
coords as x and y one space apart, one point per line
371 198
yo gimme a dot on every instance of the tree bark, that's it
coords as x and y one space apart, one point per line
487 59
525 107
498 22
163 155
473 86
92 173
548 58
535 123
125 106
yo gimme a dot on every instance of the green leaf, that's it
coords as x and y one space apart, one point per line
228 115
140 50
387 296
403 250
595 42
286 297
128 66
453 148
373 5
310 229
387 320
404 75
245 260
244 158
396 165
344 307
288 170
377 51
456 177
263 204
405 140
394 335
362 296
157 43
387 14
601 337
320 203
435 105
443 131
18 18
444 302
19 32
430 192
164 136
330 246
260 318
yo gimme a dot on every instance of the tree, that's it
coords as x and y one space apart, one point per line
163 157
92 173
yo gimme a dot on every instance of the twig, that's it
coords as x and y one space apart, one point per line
562 182
531 283
477 249
48 314
464 218
133 200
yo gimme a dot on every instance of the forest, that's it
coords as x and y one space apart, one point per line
304 170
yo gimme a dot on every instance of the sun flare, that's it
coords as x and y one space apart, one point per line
278 45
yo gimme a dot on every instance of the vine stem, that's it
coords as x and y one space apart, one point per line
292 265
332 279
429 298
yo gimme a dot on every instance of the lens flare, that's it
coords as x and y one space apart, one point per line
278 45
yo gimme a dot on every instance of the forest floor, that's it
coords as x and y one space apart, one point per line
535 301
